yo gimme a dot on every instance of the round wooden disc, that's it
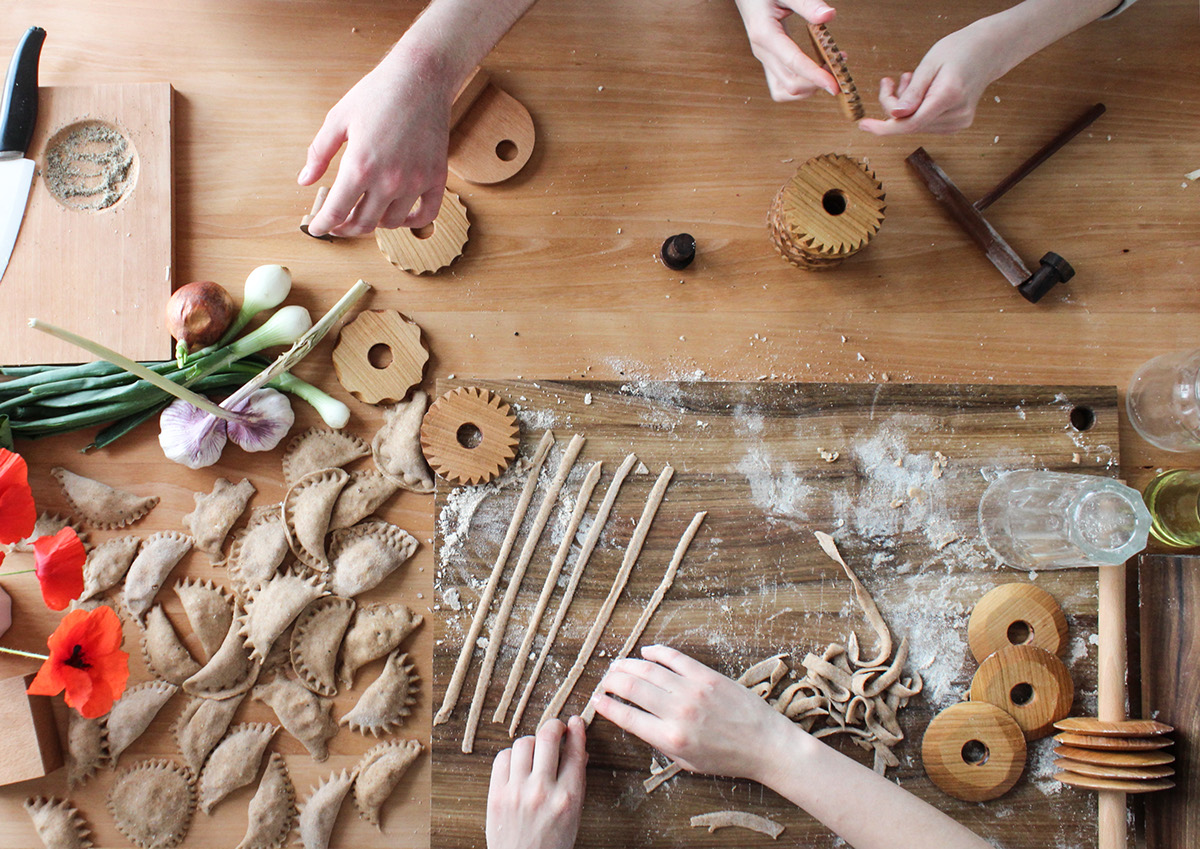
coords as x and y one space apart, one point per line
1029 683
1104 728
1113 744
1090 783
1105 757
469 436
380 356
973 751
432 248
1124 773
1014 615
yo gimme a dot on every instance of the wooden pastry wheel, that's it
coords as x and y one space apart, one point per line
428 249
835 61
380 356
973 751
829 210
469 436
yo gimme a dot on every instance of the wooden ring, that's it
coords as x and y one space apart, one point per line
973 751
469 436
429 249
1032 685
356 358
1013 615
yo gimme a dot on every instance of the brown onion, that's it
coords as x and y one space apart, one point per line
199 313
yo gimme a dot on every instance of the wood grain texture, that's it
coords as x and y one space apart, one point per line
994 767
1170 596
755 583
406 356
106 274
1025 612
1048 691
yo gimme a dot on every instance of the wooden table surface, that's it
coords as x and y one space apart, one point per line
652 119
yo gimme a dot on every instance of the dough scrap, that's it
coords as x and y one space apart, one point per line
107 565
201 726
47 525
132 714
318 449
229 672
257 550
99 504
375 630
272 811
209 610
386 703
58 823
319 813
397 445
158 556
361 556
365 492
215 513
273 606
738 819
164 653
316 640
306 716
379 771
234 762
153 802
87 748
306 511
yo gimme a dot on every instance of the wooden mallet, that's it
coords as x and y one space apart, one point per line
1052 269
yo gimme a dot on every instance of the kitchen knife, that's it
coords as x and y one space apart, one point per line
18 114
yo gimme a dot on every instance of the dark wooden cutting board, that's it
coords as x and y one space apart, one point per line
755 583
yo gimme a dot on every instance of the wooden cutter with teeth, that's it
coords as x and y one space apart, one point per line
835 61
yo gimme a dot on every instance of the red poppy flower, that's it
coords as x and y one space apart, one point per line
85 660
59 565
17 513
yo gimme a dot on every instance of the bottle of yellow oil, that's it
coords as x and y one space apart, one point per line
1174 501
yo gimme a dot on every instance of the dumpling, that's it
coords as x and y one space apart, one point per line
306 716
149 570
87 747
234 762
272 607
201 726
385 704
379 771
153 802
209 610
365 492
319 813
258 550
132 714
58 824
272 811
99 504
362 556
107 565
230 671
307 508
162 650
397 445
317 449
316 639
215 513
374 631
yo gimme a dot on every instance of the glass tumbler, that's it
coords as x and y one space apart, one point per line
1174 501
1036 520
1163 402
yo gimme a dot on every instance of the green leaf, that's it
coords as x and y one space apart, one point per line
6 440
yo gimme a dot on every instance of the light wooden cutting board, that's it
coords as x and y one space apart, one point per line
107 273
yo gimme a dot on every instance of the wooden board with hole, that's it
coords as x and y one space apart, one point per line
771 463
104 273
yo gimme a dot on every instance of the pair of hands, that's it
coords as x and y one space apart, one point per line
692 714
938 97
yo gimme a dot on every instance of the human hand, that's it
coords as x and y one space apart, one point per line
692 714
536 793
791 74
940 96
395 123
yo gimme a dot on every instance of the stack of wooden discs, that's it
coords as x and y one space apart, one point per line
827 211
1125 756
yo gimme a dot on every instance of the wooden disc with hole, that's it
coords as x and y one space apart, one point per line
491 132
1108 728
1030 684
380 356
1090 783
469 436
1016 614
835 61
1121 773
829 210
1113 744
1103 757
422 252
973 751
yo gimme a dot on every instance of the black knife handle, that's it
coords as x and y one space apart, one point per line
18 105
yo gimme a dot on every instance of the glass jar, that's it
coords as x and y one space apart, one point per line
1174 502
1163 401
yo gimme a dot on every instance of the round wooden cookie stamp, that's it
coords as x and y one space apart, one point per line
1031 684
379 357
973 751
1014 615
469 436
427 250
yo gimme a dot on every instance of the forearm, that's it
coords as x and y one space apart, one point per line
1028 27
837 790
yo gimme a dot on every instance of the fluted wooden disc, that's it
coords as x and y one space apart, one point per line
1090 783
428 250
1107 757
1116 744
1107 728
1123 773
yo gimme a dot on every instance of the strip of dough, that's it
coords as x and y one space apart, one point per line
864 601
585 552
632 552
639 627
454 688
662 776
739 819
500 623
548 585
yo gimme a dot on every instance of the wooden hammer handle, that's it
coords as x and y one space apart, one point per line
1110 675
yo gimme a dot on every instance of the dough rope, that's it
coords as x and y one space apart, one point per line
737 819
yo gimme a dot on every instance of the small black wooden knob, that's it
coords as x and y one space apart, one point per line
679 251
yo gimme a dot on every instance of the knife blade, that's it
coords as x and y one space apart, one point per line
18 115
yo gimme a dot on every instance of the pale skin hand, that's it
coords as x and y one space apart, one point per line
536 792
791 73
709 723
